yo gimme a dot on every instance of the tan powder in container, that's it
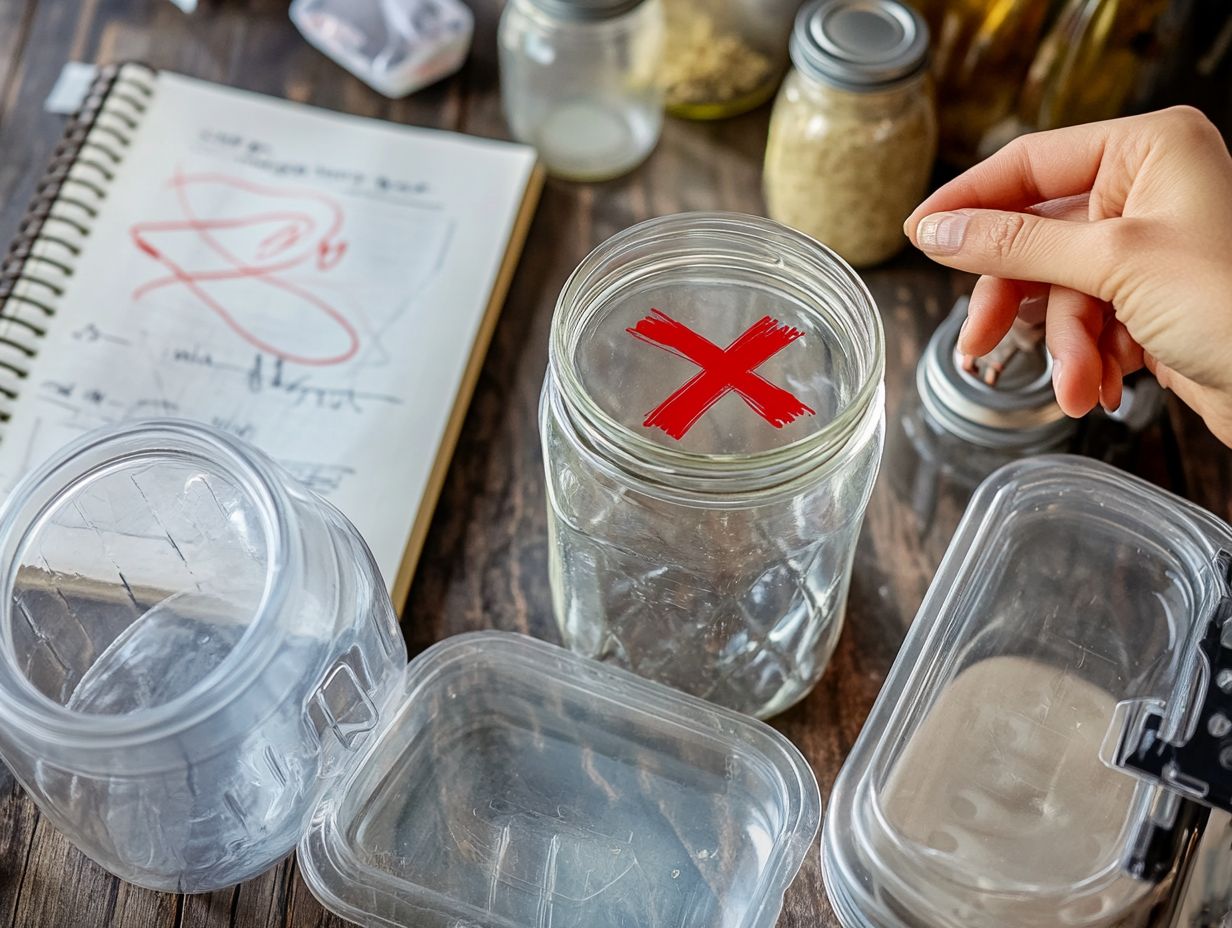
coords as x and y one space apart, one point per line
848 167
1002 781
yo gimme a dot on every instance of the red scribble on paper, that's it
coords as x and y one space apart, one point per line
723 370
252 244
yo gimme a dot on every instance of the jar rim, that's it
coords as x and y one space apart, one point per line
47 485
767 467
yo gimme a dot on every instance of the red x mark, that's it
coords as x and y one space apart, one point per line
723 370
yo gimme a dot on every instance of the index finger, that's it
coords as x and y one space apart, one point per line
1029 170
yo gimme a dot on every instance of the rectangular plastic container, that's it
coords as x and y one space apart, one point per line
516 785
991 785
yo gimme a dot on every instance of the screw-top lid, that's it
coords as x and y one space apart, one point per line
586 10
859 44
1019 413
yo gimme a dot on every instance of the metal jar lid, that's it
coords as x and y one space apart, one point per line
859 44
577 11
1020 413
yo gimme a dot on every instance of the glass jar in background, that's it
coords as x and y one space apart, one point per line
704 502
190 645
724 57
1086 69
981 52
579 82
853 133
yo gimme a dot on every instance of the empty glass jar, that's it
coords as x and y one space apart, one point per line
190 644
712 423
579 82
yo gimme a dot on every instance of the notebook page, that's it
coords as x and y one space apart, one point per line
308 281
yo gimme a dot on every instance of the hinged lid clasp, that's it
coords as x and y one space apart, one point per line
1200 766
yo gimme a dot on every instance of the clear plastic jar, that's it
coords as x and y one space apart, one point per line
579 82
190 645
724 57
715 559
853 134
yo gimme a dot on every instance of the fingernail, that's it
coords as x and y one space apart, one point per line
1033 309
1056 372
962 333
941 233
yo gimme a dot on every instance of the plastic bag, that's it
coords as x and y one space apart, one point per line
395 46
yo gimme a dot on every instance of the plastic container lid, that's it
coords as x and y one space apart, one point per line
986 787
516 785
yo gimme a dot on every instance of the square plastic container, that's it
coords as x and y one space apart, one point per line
516 785
1064 647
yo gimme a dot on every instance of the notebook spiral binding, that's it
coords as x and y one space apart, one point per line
66 203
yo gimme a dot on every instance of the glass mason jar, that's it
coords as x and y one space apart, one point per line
579 82
708 543
190 645
853 134
724 57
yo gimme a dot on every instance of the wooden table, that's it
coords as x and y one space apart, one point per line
485 564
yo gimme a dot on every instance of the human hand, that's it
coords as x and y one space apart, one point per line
1119 235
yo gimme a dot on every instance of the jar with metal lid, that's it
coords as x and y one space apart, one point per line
1053 745
965 418
712 422
853 134
579 82
724 57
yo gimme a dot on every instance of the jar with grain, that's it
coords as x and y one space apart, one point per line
724 57
579 82
854 133
704 501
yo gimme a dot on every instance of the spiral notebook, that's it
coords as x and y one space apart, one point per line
319 284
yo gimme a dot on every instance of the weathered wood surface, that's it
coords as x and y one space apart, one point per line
485 560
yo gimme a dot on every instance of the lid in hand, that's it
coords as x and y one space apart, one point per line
1009 405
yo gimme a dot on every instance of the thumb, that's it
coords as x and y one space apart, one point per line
1022 246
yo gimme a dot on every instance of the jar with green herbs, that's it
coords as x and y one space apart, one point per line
853 134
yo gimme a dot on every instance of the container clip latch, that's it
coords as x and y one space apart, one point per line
1198 768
